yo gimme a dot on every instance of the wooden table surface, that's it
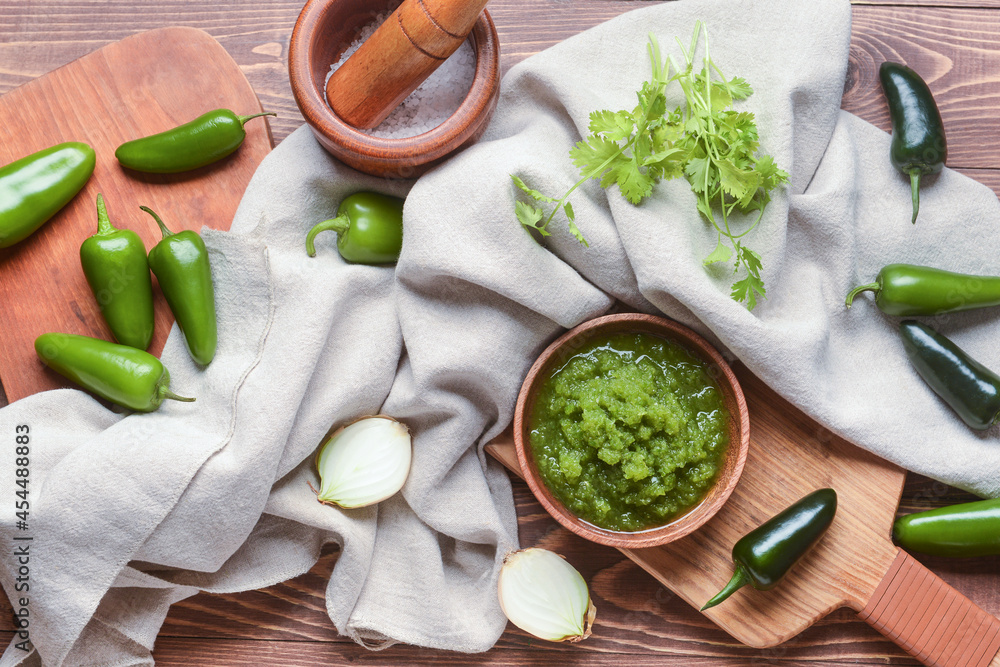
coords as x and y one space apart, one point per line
955 44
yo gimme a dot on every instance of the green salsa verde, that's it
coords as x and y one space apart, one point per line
630 432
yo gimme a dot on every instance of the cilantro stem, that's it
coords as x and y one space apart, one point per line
592 174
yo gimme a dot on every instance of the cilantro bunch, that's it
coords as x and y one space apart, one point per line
705 140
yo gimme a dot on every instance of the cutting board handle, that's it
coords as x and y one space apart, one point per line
929 619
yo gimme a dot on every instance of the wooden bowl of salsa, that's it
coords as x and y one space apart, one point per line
631 430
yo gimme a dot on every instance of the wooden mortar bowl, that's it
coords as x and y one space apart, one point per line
739 428
323 31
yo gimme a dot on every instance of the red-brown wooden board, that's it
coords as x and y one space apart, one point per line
141 85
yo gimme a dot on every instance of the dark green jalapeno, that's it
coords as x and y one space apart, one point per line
369 228
959 531
206 139
34 188
764 555
180 263
114 261
904 290
971 389
918 142
121 374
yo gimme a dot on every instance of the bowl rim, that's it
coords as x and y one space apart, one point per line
680 526
432 144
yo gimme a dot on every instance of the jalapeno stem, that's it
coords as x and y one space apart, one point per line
340 224
166 393
739 580
163 228
103 222
870 287
915 192
244 119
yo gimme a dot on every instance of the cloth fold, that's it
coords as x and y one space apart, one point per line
131 513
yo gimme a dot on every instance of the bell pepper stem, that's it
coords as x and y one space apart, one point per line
244 119
739 580
163 228
103 222
166 393
870 287
915 193
340 224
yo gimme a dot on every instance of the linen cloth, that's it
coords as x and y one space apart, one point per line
132 513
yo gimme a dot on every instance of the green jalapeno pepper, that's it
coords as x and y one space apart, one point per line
764 555
206 139
114 261
918 142
907 289
180 263
959 531
369 229
971 389
124 375
34 188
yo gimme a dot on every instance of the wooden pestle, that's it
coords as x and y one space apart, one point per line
413 42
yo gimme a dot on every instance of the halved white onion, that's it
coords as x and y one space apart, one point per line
364 462
545 596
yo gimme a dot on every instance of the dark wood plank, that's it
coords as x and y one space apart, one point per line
953 4
225 653
954 50
182 652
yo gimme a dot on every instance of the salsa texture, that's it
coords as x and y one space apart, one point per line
630 432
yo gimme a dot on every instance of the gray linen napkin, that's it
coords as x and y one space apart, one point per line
132 513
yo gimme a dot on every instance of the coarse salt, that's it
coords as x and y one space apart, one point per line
433 102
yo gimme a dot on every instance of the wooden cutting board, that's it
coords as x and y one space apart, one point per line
855 565
144 84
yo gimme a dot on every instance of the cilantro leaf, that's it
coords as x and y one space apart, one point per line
705 208
698 171
739 88
602 121
738 183
530 216
634 184
751 261
770 175
534 194
615 126
746 290
722 253
590 155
